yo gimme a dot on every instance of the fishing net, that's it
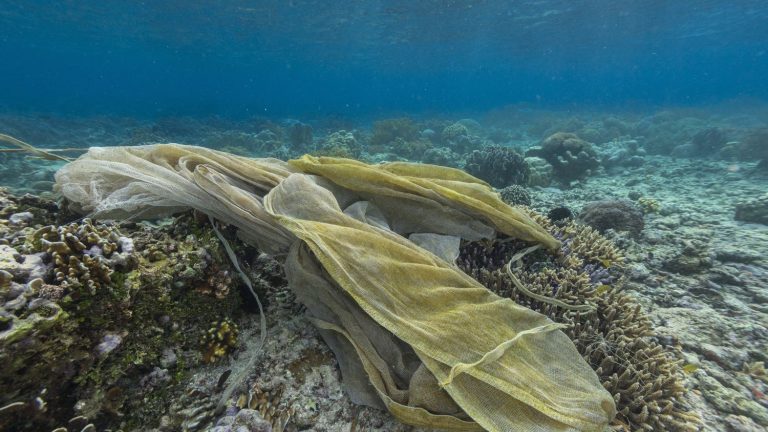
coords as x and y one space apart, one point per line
370 252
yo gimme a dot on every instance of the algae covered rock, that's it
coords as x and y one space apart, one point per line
618 215
753 211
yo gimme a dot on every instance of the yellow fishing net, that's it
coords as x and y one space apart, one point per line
369 251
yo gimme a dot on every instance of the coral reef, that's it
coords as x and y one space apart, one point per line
441 156
541 171
581 286
571 157
618 215
299 136
621 154
461 136
386 131
100 323
499 166
515 195
340 144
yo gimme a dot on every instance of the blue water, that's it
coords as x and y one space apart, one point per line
365 58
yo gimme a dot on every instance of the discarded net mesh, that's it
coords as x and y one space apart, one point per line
370 251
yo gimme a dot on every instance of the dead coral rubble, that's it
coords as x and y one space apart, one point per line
613 334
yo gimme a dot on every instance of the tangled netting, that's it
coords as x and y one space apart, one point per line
580 285
370 250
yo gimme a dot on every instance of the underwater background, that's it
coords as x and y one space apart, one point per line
635 132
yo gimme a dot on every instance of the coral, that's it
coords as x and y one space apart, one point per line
753 210
299 136
413 149
454 132
708 141
541 171
107 327
581 286
340 144
499 166
79 253
619 215
622 153
648 205
515 195
387 131
458 137
219 341
441 156
571 157
269 406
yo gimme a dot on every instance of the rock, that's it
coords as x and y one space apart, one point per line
22 218
740 423
252 421
168 359
619 215
21 267
684 151
754 210
731 401
735 255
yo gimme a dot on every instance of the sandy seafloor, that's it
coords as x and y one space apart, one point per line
701 275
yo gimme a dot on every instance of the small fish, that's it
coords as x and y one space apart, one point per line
690 368
602 289
606 263
223 379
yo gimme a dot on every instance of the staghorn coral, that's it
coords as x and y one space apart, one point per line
499 166
583 282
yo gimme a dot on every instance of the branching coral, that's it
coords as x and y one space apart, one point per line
611 333
80 254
